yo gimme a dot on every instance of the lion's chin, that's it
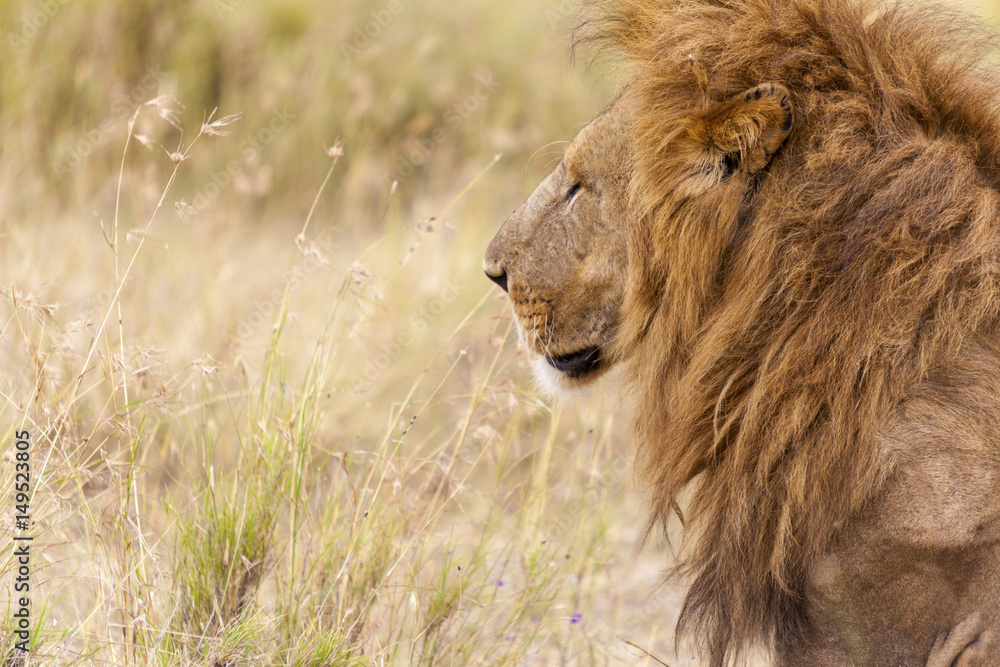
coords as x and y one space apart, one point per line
562 385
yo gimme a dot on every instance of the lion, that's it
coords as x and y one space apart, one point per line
785 231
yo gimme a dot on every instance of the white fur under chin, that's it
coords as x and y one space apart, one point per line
554 385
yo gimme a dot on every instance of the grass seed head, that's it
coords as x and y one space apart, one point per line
212 128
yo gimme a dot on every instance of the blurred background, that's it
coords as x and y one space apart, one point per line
278 415
381 76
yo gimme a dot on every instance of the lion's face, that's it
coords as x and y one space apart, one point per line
562 256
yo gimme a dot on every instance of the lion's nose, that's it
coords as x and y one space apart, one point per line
497 258
497 275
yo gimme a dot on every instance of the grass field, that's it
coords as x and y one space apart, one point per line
277 414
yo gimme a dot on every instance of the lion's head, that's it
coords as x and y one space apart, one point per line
563 255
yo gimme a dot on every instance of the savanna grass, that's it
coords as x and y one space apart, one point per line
251 515
290 424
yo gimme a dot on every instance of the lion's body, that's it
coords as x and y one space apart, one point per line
810 320
914 577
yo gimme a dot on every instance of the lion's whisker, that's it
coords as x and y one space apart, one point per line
551 143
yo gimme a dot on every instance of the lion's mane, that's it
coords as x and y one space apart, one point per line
769 337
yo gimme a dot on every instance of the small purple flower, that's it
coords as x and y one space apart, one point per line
499 582
575 618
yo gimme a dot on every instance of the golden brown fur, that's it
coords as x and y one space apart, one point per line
809 258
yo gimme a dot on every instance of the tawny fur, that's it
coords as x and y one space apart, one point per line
769 344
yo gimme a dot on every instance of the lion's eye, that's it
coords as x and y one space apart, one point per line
573 189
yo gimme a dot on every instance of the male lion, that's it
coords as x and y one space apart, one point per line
787 231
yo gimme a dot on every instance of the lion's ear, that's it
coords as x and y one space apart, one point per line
747 130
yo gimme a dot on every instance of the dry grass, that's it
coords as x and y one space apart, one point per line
334 461
286 421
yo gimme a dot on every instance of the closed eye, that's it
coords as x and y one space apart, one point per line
573 189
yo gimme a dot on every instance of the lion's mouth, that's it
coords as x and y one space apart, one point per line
577 364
